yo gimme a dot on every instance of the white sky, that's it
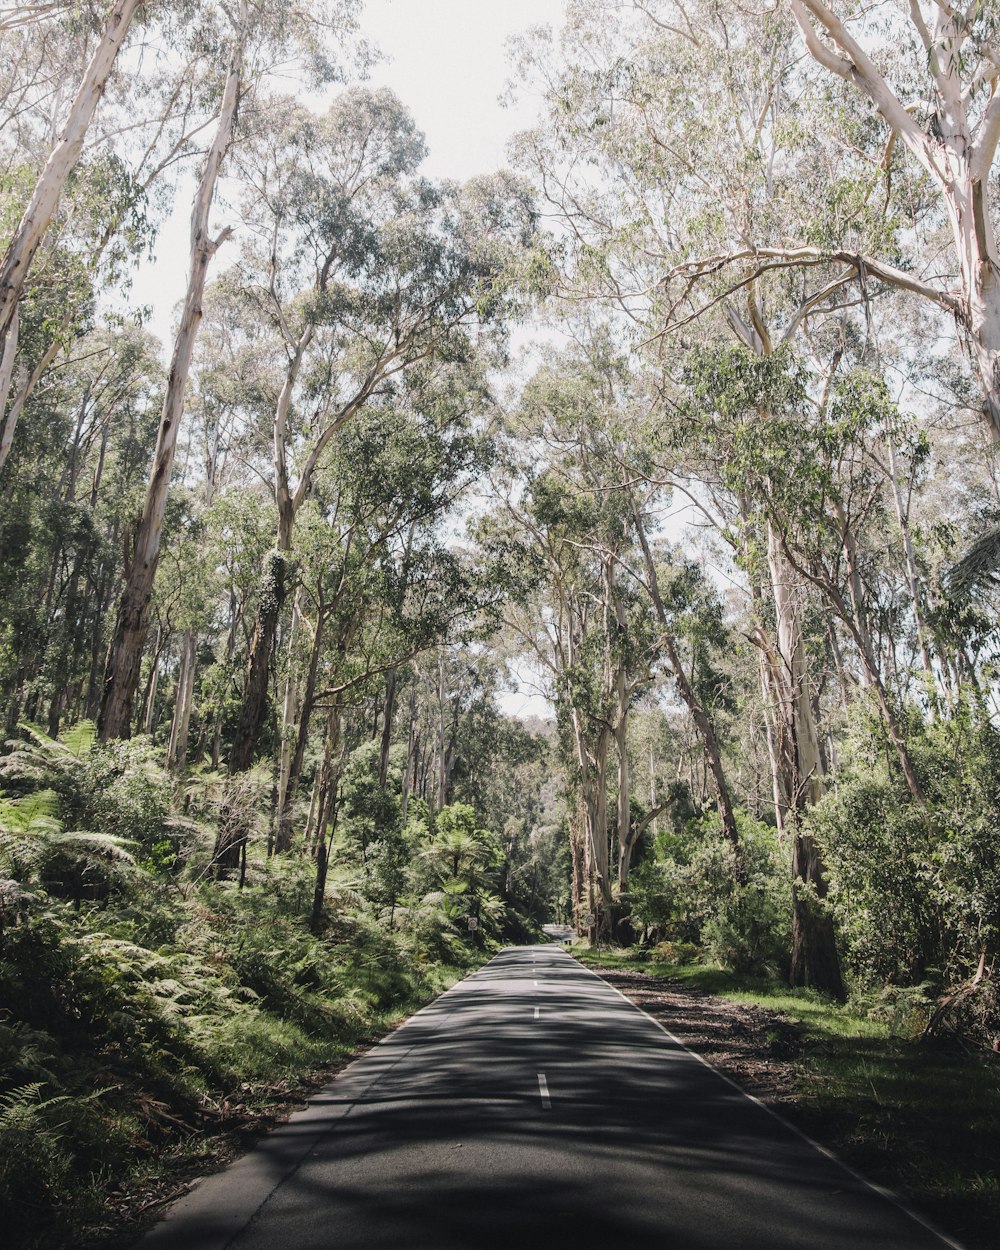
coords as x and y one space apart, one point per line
448 65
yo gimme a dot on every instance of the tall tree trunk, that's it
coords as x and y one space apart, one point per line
442 737
578 880
253 708
7 359
177 748
273 591
16 263
626 831
410 776
387 716
104 593
702 720
592 762
122 673
283 836
912 576
319 889
799 740
230 652
616 626
329 773
26 383
307 834
149 699
285 827
815 961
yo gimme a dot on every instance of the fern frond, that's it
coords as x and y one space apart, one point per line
26 1101
106 843
52 748
33 814
22 1094
79 739
978 567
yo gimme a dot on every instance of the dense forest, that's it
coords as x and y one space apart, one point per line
686 421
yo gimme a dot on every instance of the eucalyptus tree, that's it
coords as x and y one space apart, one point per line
64 514
644 173
377 585
361 270
257 35
24 242
566 528
933 80
125 656
150 117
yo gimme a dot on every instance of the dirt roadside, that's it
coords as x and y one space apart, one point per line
760 1049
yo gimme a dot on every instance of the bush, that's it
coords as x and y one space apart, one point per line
38 1181
689 893
916 890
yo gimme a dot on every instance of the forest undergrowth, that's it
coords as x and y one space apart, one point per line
155 1014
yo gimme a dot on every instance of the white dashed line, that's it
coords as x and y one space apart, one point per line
543 1089
537 1010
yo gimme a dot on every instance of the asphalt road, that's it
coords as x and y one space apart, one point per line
533 1106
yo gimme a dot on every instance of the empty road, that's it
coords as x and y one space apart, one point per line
533 1107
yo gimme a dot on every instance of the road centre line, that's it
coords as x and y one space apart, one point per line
543 1089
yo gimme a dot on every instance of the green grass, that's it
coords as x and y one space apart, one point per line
916 1116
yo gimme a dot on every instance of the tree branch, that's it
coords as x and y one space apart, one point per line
784 257
857 67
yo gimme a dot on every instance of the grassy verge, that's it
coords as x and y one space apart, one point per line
917 1117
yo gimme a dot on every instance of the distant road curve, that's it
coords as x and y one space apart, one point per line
532 1107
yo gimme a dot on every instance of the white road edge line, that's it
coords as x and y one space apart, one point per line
882 1192
543 1089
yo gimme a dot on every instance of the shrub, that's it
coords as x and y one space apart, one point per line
916 889
689 892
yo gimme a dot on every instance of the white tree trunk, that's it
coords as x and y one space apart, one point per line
6 378
133 611
289 718
149 718
180 728
442 736
798 743
957 153
16 263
